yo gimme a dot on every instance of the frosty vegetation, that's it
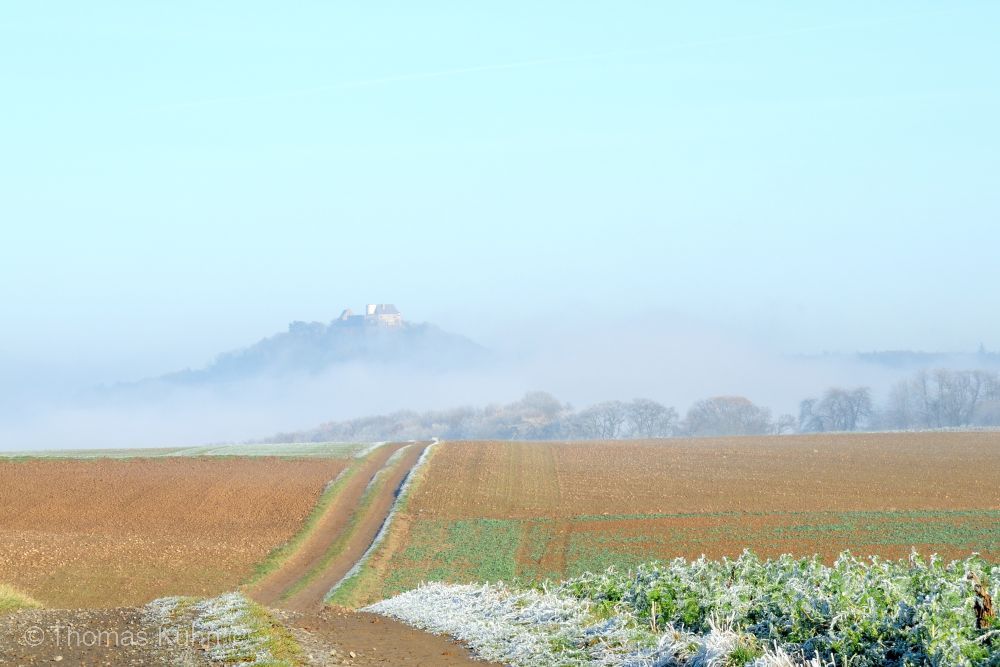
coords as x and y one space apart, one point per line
746 611
229 629
930 399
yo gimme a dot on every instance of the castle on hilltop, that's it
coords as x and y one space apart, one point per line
376 314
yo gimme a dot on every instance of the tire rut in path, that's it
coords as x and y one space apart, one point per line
364 529
334 521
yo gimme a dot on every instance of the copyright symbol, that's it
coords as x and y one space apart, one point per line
34 636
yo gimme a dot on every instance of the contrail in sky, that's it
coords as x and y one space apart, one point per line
541 62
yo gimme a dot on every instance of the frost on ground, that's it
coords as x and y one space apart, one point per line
386 468
333 482
368 449
776 613
230 629
541 629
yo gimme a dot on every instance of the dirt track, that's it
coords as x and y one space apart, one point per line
331 635
331 525
344 532
366 527
86 637
124 637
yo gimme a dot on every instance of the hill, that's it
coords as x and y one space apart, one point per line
315 347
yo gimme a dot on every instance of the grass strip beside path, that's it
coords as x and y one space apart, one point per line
13 600
279 555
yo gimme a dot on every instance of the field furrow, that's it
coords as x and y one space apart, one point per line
515 511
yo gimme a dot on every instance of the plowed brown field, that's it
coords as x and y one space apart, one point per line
505 510
106 532
785 473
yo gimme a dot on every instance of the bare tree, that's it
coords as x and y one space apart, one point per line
727 415
902 410
603 421
860 407
957 395
648 419
942 398
809 420
609 418
584 424
784 424
838 410
536 416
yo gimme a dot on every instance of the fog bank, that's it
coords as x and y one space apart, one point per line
581 363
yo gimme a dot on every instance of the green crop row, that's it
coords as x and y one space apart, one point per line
532 550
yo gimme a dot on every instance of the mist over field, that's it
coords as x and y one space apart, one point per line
295 383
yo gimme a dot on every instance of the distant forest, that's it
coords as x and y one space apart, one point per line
934 399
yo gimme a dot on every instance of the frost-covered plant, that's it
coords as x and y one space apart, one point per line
230 629
869 612
772 613
531 628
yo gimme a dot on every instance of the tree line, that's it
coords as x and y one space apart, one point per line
940 398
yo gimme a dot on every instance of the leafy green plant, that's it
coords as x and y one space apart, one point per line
867 612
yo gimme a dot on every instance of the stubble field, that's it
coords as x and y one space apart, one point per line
114 532
488 511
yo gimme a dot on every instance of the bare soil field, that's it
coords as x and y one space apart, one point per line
487 511
784 473
107 532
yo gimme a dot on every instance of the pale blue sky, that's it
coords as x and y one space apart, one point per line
181 178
